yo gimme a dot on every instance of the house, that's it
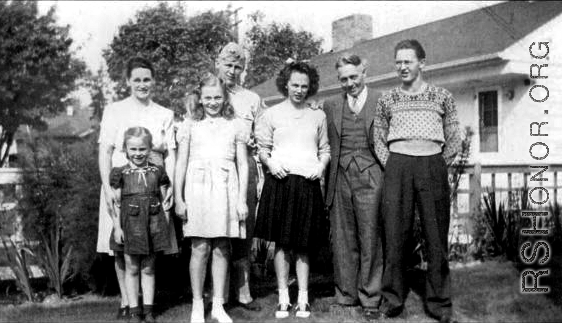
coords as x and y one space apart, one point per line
483 58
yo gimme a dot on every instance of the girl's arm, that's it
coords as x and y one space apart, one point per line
264 137
323 149
169 164
179 176
242 167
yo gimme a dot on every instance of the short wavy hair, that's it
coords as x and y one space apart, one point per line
411 44
299 67
351 59
195 109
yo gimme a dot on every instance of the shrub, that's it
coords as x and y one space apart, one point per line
61 193
458 167
504 223
17 261
54 261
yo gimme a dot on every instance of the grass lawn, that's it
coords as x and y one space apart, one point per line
486 292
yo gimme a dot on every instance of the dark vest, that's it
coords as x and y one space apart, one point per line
354 143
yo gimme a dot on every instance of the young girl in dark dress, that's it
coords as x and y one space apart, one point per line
140 225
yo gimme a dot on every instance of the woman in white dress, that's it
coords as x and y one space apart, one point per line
137 110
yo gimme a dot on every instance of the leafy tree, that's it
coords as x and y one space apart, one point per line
270 46
38 68
98 86
180 48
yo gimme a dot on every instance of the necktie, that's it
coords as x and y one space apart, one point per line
354 106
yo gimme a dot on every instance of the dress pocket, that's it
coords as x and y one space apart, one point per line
134 223
133 210
154 207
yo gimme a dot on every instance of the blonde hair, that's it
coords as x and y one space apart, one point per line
194 107
137 132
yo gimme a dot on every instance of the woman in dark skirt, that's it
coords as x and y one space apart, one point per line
293 144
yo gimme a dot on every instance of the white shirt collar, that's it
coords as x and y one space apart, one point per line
361 98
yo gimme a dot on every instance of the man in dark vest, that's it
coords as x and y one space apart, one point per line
353 194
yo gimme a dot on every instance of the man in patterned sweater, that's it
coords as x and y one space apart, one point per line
416 137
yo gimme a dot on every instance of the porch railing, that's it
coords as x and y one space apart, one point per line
478 178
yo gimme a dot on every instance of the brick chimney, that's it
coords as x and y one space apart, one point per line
350 30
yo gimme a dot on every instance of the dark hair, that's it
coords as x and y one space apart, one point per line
352 59
137 132
299 67
138 62
195 108
411 44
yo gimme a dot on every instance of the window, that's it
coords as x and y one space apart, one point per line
488 117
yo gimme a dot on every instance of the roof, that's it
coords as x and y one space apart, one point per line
481 32
79 125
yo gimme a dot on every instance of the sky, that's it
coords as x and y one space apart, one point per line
94 23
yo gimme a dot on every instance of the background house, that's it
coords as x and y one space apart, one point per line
483 58
75 125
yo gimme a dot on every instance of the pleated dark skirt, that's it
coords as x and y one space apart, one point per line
291 212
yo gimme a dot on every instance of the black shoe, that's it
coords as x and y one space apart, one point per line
371 314
149 318
253 306
390 313
135 318
447 319
122 313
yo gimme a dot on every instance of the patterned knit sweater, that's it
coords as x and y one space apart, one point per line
429 115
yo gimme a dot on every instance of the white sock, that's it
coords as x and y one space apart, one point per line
303 296
218 311
198 304
284 296
197 311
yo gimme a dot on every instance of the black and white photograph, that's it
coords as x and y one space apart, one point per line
280 161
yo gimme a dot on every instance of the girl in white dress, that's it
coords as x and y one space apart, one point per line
211 171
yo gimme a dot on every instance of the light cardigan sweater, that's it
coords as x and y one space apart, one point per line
295 138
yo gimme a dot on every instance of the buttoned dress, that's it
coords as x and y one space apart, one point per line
144 225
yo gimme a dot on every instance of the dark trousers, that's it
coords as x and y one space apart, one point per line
421 181
355 233
241 248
